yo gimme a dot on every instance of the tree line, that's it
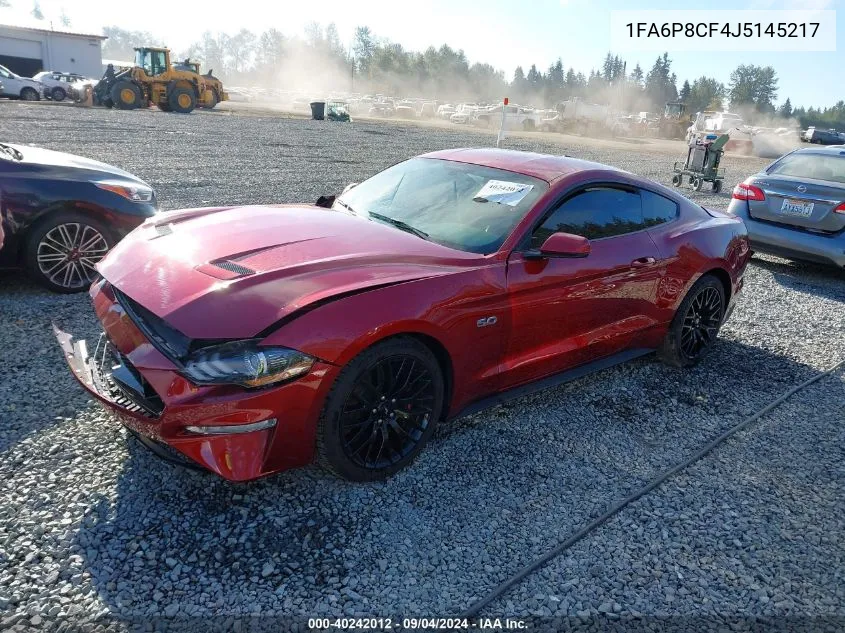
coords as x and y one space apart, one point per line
318 61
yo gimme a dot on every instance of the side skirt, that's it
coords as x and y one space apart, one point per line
551 381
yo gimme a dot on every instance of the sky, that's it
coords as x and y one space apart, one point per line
504 33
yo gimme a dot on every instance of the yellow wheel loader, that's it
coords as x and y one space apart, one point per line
152 80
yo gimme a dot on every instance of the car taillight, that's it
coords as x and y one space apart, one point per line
840 208
744 191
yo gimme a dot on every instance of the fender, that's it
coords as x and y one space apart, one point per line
445 308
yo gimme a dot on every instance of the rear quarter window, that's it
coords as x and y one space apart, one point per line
657 209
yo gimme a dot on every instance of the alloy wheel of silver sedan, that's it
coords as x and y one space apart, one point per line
68 252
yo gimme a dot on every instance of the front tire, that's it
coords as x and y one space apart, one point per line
62 251
58 94
381 411
182 100
126 95
696 324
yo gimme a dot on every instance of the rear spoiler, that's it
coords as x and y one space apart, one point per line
717 213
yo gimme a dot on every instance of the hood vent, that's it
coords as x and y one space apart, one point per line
232 267
225 269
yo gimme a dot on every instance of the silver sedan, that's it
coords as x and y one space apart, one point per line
795 208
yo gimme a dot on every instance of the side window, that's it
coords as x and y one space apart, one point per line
657 209
594 213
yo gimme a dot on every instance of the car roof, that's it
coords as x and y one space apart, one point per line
828 150
543 166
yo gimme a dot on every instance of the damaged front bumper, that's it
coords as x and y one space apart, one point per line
222 429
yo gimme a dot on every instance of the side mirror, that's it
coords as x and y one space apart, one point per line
328 201
561 245
325 201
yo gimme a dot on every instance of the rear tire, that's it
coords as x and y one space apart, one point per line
381 411
696 324
213 101
62 250
30 94
717 186
182 100
676 180
58 94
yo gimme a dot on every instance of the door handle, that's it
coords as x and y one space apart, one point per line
643 261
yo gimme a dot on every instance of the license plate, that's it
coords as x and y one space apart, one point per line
797 207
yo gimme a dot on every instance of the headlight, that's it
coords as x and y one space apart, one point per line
245 363
136 193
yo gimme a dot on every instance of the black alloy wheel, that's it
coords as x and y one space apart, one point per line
696 324
701 322
381 410
387 412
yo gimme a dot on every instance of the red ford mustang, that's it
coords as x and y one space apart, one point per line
247 340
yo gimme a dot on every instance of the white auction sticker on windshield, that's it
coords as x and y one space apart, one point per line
503 192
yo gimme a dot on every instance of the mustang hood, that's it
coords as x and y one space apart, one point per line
233 272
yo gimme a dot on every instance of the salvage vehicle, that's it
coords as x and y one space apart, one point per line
62 213
822 137
17 87
515 118
57 85
795 208
580 117
247 340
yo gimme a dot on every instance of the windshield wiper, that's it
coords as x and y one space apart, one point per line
399 224
345 206
10 152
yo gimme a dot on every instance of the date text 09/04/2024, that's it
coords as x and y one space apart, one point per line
417 624
726 29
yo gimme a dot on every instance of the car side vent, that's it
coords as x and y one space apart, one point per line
232 267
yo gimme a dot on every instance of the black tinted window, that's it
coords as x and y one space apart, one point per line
594 213
657 209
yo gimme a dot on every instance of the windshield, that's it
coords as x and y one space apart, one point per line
815 166
467 207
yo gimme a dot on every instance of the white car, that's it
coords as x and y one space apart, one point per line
57 85
17 87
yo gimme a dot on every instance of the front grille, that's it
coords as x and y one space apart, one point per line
121 382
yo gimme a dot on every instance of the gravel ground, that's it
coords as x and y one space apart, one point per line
92 525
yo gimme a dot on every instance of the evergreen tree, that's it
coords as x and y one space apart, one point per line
685 90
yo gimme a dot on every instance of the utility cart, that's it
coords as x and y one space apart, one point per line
702 163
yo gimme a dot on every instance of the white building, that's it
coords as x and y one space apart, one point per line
26 51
